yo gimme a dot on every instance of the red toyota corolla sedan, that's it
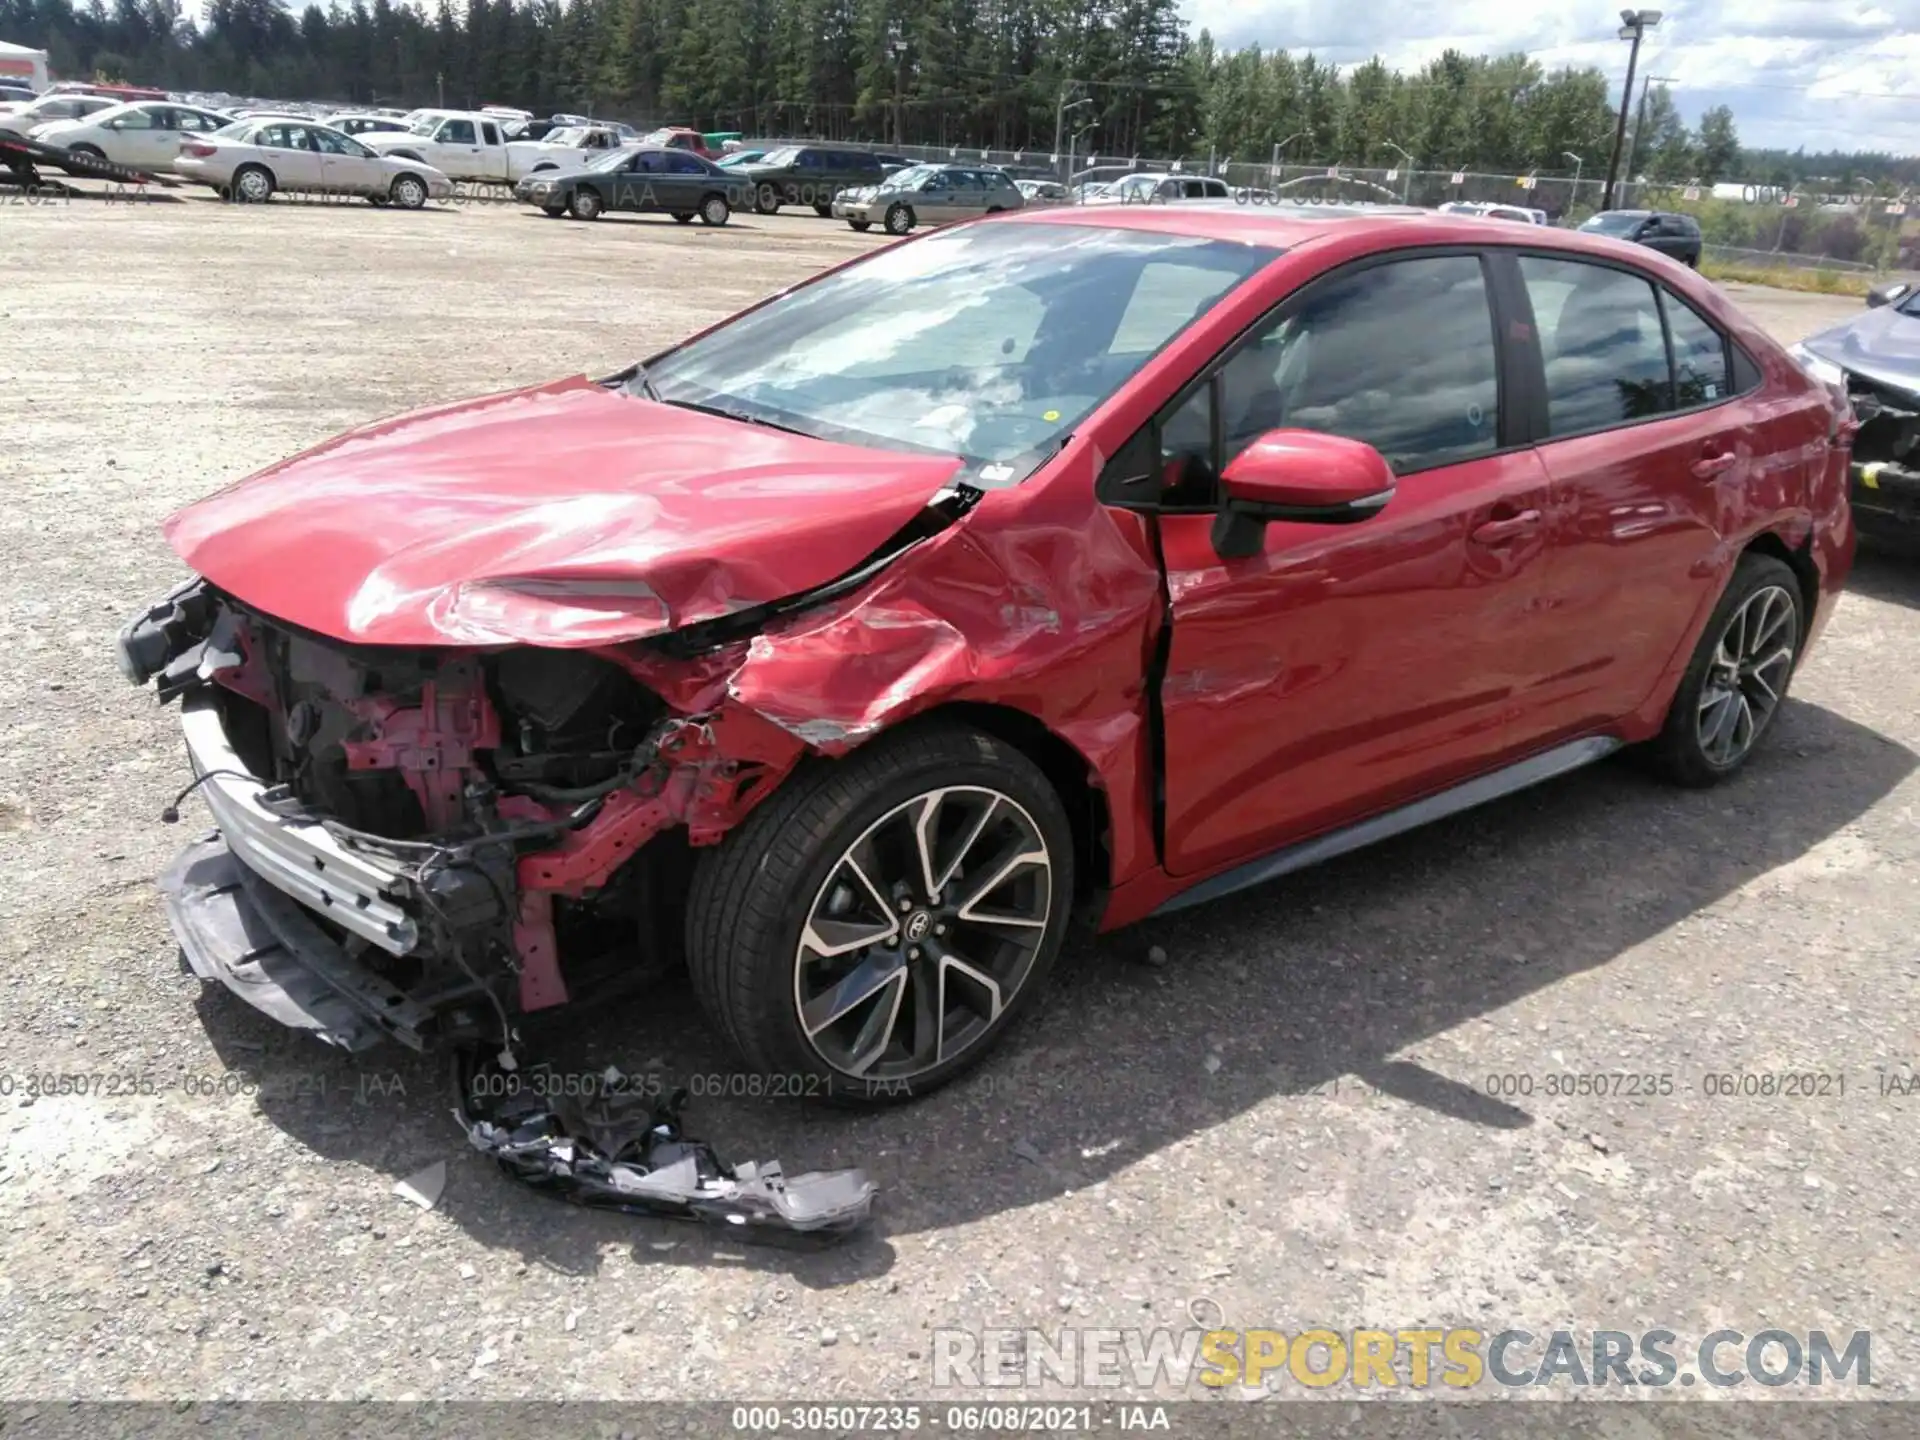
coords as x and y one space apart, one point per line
1087 562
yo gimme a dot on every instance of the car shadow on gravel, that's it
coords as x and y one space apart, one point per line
1296 988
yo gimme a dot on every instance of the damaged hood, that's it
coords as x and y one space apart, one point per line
564 514
1883 345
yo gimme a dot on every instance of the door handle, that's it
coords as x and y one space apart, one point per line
1499 532
1708 466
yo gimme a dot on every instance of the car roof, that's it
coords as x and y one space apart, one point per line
1289 226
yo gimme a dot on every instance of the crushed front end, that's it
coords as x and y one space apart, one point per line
423 844
1886 459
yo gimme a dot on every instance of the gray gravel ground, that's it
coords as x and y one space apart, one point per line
1288 1118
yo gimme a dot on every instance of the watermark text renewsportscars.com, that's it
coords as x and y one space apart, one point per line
1415 1358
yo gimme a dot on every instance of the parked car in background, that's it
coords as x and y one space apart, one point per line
1488 210
681 137
810 175
351 124
734 159
252 160
1669 232
471 145
145 134
1875 359
928 195
51 108
17 95
1044 192
640 179
1151 189
1072 566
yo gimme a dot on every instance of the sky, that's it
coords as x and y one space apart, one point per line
1826 74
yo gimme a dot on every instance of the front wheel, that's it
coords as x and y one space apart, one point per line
252 185
584 205
899 219
409 192
880 923
90 152
1738 676
766 200
823 211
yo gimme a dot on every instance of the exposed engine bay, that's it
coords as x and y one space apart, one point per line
451 821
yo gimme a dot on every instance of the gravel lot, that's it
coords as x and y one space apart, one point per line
1288 1118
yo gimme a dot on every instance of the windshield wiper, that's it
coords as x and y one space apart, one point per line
742 416
637 379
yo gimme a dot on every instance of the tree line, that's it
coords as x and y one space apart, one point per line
1111 77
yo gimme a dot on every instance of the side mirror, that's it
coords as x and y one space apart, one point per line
1302 476
1887 294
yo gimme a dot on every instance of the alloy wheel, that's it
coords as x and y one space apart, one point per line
254 185
922 934
1748 675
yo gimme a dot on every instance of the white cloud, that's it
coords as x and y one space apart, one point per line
1795 72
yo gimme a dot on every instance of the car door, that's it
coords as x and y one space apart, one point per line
492 154
292 154
1645 466
138 138
1346 669
456 150
635 185
348 167
686 182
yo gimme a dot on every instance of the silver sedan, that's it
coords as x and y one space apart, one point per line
252 159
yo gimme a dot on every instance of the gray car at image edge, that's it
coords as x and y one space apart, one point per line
929 195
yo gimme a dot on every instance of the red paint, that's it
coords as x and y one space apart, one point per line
431 744
1492 608
562 515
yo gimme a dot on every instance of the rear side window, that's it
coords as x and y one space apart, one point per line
1699 356
1603 344
489 134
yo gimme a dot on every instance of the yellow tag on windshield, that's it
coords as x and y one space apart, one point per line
1051 415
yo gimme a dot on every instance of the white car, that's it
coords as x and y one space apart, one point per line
1488 210
1154 188
358 124
24 119
145 134
251 159
470 145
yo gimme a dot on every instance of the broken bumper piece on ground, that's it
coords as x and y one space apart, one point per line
622 1152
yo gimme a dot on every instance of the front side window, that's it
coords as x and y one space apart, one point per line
1602 342
134 120
457 132
991 344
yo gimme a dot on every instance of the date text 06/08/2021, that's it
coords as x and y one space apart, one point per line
359 1085
997 1419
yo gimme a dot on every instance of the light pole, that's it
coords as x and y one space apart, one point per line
1273 170
1406 186
1634 25
1060 116
1579 162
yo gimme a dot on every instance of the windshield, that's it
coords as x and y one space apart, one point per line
738 158
611 161
1613 222
911 177
569 135
990 343
424 126
784 156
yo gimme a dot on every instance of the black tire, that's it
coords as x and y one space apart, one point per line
584 204
899 219
92 152
253 185
683 217
553 212
408 192
754 894
766 200
1682 752
861 225
823 211
715 211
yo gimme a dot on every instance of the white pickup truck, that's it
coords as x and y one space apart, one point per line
468 145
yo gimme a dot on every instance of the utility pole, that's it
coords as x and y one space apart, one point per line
1634 25
1640 125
